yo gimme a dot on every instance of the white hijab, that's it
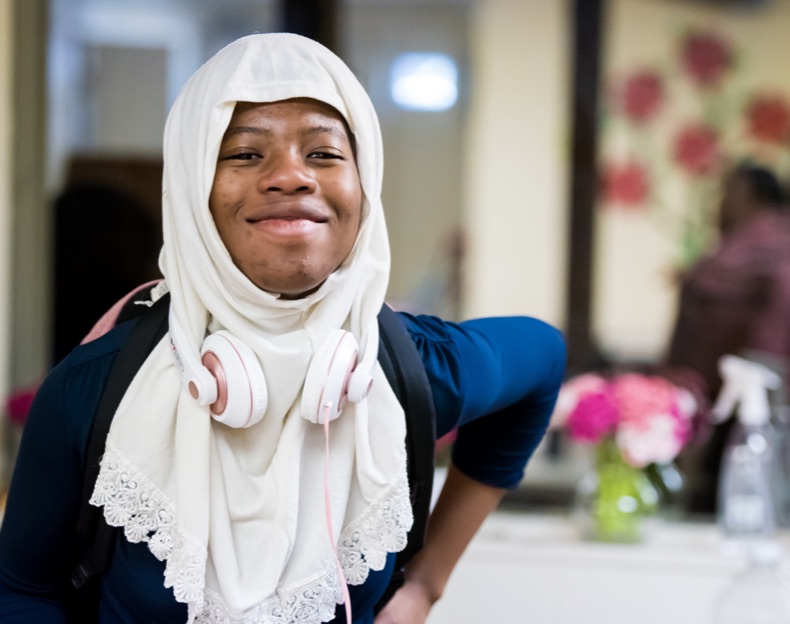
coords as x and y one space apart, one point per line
238 514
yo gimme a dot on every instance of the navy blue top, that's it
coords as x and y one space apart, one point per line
496 379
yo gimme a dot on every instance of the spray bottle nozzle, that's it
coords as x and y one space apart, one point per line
745 383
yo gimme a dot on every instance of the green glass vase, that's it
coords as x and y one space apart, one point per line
670 483
613 500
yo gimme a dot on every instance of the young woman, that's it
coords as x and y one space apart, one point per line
275 246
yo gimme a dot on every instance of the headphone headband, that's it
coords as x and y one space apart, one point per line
230 380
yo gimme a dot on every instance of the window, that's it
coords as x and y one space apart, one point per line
424 81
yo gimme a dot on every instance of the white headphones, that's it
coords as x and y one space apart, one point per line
229 379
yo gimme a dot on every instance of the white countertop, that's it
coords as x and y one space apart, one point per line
534 568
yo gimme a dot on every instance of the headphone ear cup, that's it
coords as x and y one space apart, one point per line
326 383
242 396
359 386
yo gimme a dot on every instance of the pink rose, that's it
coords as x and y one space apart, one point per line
657 439
570 393
640 397
594 416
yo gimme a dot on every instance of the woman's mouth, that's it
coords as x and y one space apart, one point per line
287 225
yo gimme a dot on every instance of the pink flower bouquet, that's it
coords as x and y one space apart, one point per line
638 424
649 418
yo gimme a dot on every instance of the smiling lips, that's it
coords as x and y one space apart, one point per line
288 222
287 211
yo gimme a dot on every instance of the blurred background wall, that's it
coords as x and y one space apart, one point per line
6 42
688 88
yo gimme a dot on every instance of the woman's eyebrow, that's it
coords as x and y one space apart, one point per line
236 130
310 131
333 130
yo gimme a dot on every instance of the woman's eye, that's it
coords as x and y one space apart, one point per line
243 156
321 155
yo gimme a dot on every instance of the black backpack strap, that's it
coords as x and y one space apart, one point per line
404 368
95 538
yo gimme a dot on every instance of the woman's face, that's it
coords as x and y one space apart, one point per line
286 197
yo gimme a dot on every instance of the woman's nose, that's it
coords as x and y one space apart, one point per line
287 173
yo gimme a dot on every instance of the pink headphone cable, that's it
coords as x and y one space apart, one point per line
328 509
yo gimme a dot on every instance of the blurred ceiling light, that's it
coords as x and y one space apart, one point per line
424 81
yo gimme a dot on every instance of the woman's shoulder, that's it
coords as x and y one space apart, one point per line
89 363
425 327
73 388
514 345
90 353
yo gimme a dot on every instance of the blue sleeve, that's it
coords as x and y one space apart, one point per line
497 380
37 534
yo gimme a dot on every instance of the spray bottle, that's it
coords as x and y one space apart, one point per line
746 504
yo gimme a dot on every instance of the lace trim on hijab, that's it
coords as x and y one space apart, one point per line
132 501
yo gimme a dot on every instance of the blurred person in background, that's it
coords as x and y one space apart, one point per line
735 300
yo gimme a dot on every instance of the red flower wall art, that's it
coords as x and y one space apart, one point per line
675 124
697 149
706 57
625 184
642 95
768 118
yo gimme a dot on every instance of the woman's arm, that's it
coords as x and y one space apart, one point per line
462 507
37 535
34 541
497 381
